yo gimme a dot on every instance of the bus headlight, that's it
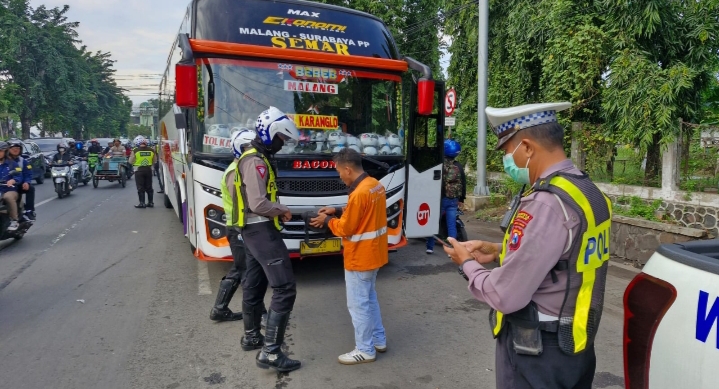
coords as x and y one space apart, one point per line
212 213
216 233
393 223
224 217
395 207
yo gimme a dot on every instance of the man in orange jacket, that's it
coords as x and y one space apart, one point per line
362 224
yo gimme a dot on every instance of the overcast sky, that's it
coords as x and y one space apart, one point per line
138 33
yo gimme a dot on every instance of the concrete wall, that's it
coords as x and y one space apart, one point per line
635 240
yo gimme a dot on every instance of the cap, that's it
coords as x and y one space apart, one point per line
508 121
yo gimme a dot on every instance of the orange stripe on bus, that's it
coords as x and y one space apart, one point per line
225 48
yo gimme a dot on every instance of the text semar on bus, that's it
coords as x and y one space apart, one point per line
337 73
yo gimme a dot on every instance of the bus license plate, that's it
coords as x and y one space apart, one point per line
329 246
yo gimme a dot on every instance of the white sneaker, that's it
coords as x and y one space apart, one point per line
13 225
429 251
355 356
381 348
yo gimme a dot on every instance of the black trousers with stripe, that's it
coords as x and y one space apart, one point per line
268 263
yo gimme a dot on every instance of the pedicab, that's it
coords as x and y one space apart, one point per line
111 168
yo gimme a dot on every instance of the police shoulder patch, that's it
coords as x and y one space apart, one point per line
520 223
262 170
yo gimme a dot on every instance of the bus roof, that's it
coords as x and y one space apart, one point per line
293 24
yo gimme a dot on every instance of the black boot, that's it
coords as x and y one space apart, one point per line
141 196
220 312
253 339
150 204
263 322
271 354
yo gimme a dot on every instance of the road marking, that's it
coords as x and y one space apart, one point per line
45 202
203 279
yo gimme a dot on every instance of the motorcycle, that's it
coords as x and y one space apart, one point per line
83 173
461 231
5 220
65 178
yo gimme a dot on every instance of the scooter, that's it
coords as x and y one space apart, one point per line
5 220
84 173
65 178
461 231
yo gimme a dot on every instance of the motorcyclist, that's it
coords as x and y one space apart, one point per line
8 190
107 149
93 153
94 147
81 155
25 184
62 156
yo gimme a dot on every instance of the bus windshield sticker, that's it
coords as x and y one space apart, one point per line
217 141
311 87
316 121
279 20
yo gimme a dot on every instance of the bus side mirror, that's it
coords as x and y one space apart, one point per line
186 86
425 97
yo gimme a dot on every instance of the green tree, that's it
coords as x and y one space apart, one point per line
664 56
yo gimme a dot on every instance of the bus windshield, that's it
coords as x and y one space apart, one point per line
333 108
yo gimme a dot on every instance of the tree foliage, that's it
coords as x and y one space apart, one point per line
49 79
630 69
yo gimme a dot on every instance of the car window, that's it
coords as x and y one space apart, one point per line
35 148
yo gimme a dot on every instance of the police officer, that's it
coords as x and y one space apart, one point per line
231 281
26 186
257 212
142 158
546 295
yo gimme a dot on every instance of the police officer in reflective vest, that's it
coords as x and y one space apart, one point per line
231 281
257 212
547 294
142 159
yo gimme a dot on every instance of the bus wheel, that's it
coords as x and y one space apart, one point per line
168 203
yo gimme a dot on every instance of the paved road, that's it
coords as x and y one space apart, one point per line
101 295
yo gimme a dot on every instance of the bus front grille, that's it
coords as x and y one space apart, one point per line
311 187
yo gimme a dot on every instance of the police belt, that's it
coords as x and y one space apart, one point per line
256 219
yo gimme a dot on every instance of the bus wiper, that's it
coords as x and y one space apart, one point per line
384 165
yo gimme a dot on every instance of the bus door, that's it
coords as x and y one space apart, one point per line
425 153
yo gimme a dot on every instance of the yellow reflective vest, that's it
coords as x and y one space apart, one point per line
239 209
582 308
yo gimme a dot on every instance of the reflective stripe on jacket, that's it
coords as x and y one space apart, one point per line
363 226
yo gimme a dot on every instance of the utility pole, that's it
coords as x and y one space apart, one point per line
482 43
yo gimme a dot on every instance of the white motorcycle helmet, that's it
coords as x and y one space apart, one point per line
139 140
274 122
333 138
370 150
241 139
369 140
319 138
394 140
214 130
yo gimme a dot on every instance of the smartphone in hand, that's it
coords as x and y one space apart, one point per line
442 241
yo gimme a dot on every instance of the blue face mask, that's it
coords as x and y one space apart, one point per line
516 173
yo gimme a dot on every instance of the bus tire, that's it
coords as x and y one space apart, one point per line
180 216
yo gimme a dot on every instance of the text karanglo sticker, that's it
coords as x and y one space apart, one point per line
312 87
217 141
316 121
